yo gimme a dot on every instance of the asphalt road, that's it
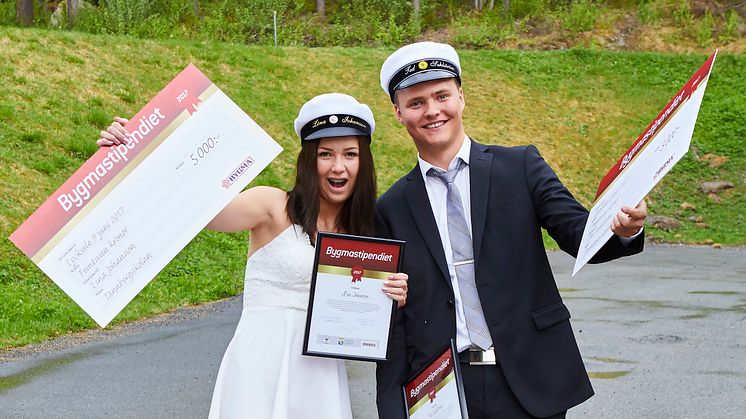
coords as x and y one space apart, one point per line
663 335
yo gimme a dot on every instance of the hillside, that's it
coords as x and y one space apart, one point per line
582 108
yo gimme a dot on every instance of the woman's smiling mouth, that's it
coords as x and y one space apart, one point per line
337 183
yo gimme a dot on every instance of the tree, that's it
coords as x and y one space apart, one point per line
25 12
72 12
321 8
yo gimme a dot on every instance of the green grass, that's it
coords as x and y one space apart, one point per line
582 108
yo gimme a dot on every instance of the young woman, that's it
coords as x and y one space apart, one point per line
263 374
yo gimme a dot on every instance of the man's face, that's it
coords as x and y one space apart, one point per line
431 112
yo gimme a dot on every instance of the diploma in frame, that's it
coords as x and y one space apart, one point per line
437 390
349 317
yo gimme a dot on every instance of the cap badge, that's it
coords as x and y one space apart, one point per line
422 65
333 119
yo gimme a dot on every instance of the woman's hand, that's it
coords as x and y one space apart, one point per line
396 288
115 134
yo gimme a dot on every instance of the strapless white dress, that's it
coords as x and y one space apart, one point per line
263 374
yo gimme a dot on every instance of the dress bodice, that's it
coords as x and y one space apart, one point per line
279 273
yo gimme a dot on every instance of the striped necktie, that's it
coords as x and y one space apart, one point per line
463 258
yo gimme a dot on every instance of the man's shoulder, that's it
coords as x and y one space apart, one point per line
396 192
500 150
507 154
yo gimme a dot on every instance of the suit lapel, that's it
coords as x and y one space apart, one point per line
422 213
480 165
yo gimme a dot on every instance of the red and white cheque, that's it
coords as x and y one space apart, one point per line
663 143
128 210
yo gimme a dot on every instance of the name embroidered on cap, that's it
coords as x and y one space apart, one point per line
419 67
338 120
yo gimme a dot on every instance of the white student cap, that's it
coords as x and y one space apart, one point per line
417 63
334 115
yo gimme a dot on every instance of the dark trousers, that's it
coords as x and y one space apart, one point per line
488 395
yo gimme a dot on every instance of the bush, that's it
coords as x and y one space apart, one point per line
581 17
649 12
250 21
682 13
520 9
387 23
731 27
703 29
115 17
7 13
481 30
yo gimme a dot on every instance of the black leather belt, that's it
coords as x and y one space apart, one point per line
474 356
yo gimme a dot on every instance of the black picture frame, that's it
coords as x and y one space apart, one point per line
320 238
458 377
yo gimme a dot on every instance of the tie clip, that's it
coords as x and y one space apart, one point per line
463 262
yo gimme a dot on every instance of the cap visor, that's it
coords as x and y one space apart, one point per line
424 76
335 132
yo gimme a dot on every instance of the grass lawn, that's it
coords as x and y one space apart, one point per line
581 108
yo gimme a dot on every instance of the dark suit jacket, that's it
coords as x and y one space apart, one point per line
514 194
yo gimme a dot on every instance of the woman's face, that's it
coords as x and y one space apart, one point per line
337 163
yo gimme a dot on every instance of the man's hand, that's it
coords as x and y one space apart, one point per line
629 221
115 134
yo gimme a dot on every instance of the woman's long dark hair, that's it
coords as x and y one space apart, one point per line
357 215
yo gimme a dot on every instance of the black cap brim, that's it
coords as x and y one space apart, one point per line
335 132
424 76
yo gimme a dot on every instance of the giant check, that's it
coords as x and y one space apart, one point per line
123 215
663 143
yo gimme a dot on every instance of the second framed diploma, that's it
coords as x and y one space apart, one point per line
437 391
349 316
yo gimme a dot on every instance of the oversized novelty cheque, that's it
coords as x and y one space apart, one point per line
128 210
663 143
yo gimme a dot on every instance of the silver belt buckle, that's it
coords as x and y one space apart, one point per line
480 357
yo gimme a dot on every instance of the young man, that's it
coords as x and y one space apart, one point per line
472 215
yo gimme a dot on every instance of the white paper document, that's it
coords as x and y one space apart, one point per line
110 228
663 143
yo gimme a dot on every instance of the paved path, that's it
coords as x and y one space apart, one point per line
663 335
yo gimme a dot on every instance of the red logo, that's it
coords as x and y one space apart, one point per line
191 104
357 273
431 395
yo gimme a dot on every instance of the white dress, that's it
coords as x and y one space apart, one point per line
263 374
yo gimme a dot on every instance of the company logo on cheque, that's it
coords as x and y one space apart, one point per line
237 172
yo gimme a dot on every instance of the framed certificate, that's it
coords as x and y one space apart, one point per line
349 316
437 390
